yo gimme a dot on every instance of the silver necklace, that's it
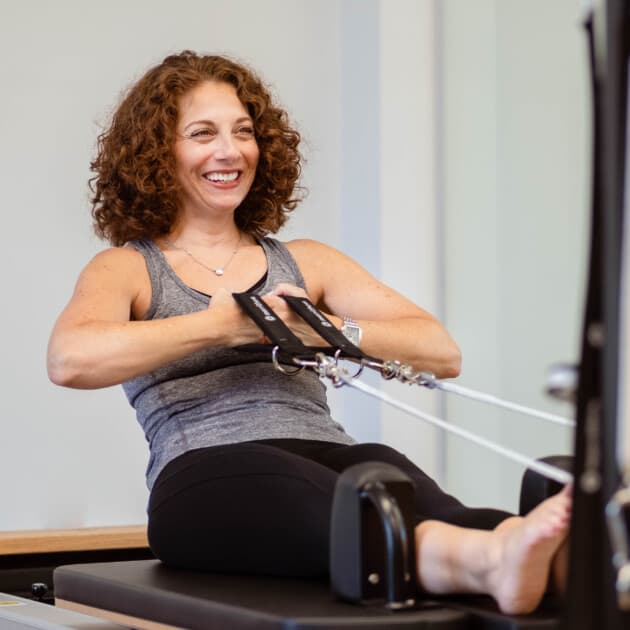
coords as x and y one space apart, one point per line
219 271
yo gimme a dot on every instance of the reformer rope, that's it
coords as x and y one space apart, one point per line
326 366
433 383
551 472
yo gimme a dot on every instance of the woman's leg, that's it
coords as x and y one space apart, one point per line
243 508
512 563
431 502
474 550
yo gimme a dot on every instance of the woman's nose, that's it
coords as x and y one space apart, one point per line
225 147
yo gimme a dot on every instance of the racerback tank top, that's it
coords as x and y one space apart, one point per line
222 395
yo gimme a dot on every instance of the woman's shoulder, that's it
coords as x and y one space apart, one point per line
118 271
309 247
314 254
117 256
319 263
125 264
299 251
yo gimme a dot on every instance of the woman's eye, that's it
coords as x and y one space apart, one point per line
245 131
201 135
207 134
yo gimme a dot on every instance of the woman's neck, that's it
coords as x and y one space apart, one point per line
204 233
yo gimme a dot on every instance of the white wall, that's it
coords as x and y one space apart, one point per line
516 200
411 247
70 458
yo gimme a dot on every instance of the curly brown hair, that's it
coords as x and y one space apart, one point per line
135 190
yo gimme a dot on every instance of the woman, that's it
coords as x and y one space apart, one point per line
196 169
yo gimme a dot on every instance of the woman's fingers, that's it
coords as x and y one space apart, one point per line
284 288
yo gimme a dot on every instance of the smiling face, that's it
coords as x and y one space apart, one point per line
216 153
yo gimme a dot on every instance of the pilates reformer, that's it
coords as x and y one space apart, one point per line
372 545
146 594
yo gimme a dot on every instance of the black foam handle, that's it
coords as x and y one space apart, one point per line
323 326
372 546
397 573
271 325
535 488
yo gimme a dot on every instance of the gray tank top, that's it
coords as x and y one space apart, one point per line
222 395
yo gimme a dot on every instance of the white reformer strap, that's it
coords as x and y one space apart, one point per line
326 366
433 383
551 472
388 369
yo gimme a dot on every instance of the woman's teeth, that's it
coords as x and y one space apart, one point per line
222 177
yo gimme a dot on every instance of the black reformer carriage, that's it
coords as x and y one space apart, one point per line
372 565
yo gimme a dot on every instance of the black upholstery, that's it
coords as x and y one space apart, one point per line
195 600
190 599
535 488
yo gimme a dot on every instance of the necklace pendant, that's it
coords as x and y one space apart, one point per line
219 271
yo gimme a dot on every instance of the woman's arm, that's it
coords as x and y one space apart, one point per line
95 344
393 327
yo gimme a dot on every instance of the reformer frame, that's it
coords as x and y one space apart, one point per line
596 598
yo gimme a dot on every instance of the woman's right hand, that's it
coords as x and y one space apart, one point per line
239 329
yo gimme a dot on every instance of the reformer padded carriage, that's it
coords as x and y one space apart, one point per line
147 594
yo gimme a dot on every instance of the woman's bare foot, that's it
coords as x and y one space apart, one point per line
560 568
525 550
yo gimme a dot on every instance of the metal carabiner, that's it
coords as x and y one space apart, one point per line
338 357
327 367
390 370
279 367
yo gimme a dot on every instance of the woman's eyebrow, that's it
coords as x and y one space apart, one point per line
211 122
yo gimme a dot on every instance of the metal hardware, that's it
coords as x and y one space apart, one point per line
617 510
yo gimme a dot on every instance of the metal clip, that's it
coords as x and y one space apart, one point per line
361 362
390 369
406 374
279 367
403 373
618 532
327 367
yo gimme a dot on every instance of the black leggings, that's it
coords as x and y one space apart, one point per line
264 507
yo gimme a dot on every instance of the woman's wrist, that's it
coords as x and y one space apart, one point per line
351 330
